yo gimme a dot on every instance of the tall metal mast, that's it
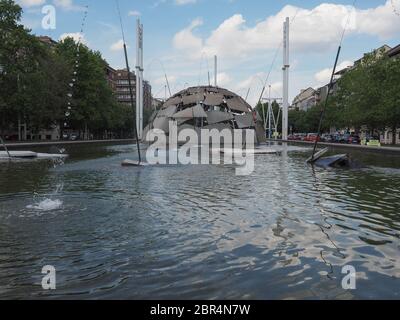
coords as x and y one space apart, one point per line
216 71
286 66
139 78
270 111
129 81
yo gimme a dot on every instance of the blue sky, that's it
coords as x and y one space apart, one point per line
181 36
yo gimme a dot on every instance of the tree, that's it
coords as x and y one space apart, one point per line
93 106
387 72
14 55
33 79
369 95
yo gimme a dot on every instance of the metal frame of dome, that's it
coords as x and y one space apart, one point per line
194 95
239 113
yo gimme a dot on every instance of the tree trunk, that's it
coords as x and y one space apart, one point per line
394 134
86 132
61 130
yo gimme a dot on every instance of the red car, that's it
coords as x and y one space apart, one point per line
295 137
312 137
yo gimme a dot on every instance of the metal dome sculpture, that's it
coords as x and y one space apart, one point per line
207 107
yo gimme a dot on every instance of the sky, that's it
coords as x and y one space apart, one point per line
181 38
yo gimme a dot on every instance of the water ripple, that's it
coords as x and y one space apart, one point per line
283 232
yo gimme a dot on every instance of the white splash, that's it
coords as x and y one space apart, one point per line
46 205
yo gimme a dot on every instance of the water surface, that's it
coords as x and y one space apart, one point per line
199 232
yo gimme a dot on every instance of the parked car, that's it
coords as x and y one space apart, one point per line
297 137
11 137
312 137
354 139
302 136
336 138
372 141
327 138
294 137
344 138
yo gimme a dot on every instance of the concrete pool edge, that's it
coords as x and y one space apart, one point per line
387 150
63 143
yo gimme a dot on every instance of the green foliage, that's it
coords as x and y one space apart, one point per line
35 81
305 121
368 95
262 109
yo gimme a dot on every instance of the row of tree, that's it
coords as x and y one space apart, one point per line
35 83
367 96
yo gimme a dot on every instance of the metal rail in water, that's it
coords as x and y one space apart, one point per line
5 147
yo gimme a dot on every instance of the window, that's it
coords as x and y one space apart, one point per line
124 97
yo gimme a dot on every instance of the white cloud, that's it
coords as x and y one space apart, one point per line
134 13
117 46
324 76
185 40
77 36
256 83
317 29
183 2
68 5
162 81
247 47
157 4
223 79
31 3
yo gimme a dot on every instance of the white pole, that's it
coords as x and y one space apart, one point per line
141 83
139 78
216 70
270 114
286 66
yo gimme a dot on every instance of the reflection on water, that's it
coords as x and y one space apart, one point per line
285 232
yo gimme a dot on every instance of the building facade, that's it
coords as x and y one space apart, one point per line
147 96
387 136
119 82
395 52
377 53
111 75
305 100
122 90
47 41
